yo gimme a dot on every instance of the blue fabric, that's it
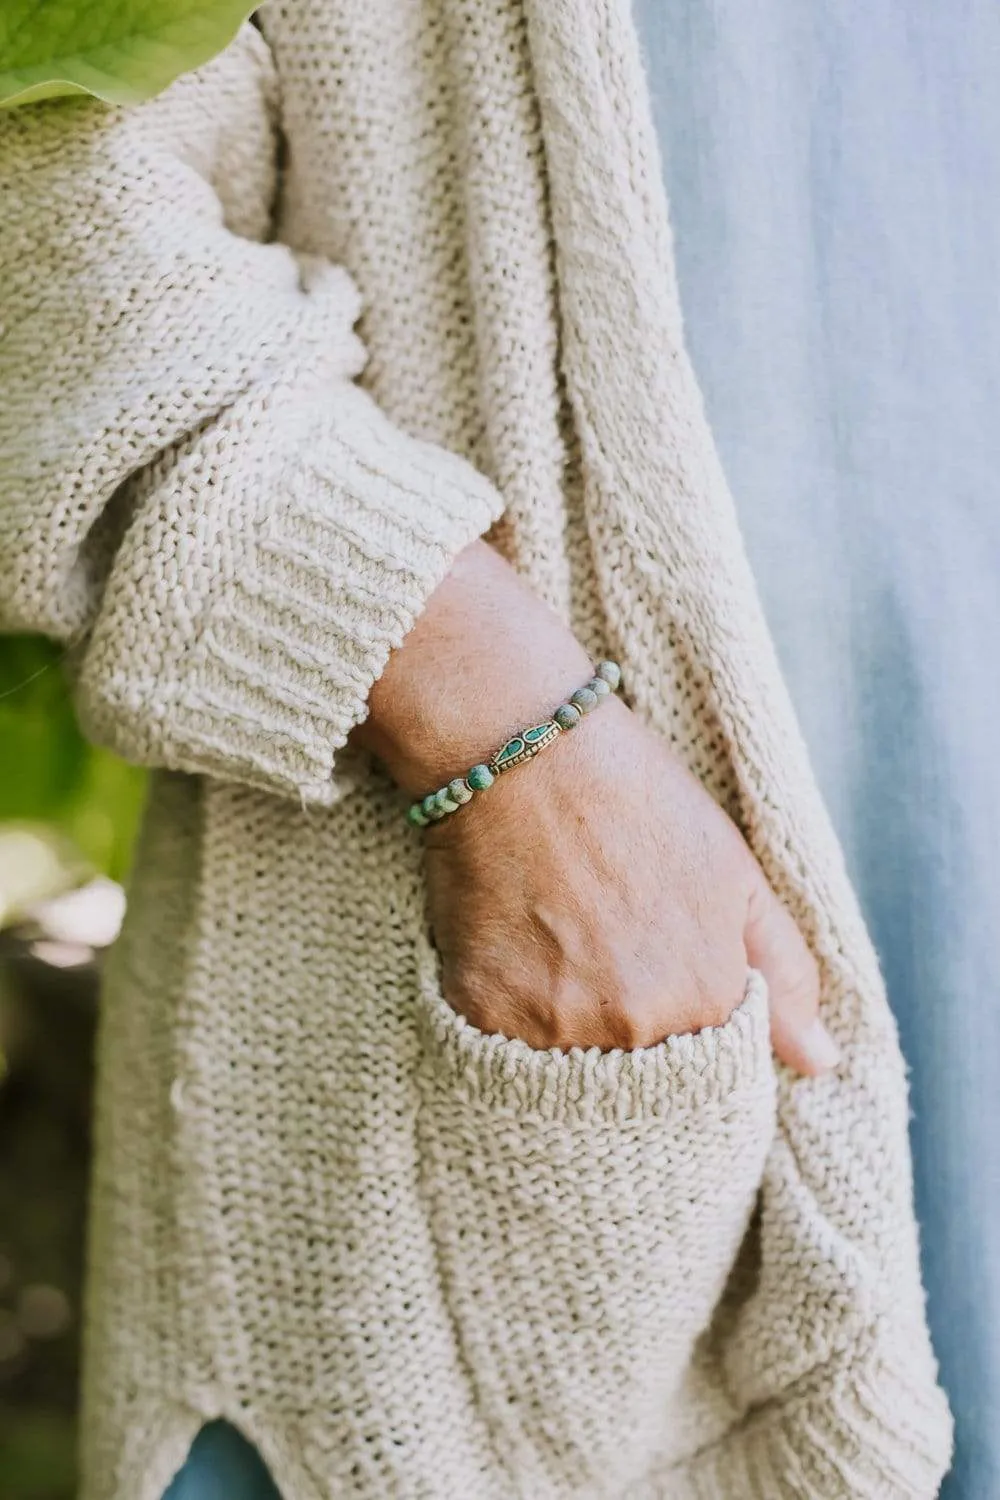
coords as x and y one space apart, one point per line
222 1466
834 173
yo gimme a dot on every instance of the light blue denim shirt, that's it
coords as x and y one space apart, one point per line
834 174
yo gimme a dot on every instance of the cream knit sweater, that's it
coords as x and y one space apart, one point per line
407 1259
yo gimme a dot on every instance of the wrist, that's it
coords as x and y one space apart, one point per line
485 659
440 734
558 787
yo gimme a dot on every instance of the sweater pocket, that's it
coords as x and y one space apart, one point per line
587 1208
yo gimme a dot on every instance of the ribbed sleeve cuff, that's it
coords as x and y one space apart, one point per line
303 536
873 1427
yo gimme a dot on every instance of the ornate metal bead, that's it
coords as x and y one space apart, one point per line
521 747
510 754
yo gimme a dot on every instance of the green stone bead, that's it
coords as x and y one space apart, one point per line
566 715
599 686
430 808
417 817
479 778
445 801
609 672
459 791
585 700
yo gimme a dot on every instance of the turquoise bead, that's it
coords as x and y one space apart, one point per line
566 715
479 778
599 686
459 791
584 699
609 672
417 817
430 808
445 801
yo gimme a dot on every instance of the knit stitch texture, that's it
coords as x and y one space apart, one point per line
407 1259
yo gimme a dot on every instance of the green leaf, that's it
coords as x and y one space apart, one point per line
121 51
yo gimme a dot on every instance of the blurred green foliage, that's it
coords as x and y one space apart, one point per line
84 799
39 1457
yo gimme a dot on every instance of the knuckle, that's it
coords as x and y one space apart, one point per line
467 999
625 1029
718 1013
631 1026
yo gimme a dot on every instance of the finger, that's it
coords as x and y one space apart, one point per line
776 947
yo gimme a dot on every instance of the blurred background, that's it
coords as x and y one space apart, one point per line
68 815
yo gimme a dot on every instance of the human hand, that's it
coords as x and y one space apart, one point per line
601 897
604 899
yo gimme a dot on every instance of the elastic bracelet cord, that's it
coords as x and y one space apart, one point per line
521 747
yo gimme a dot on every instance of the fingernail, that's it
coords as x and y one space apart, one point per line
818 1047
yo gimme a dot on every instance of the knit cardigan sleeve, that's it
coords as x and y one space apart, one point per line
194 494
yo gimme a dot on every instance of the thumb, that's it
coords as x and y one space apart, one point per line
775 946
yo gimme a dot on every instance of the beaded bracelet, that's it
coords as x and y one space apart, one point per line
518 749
